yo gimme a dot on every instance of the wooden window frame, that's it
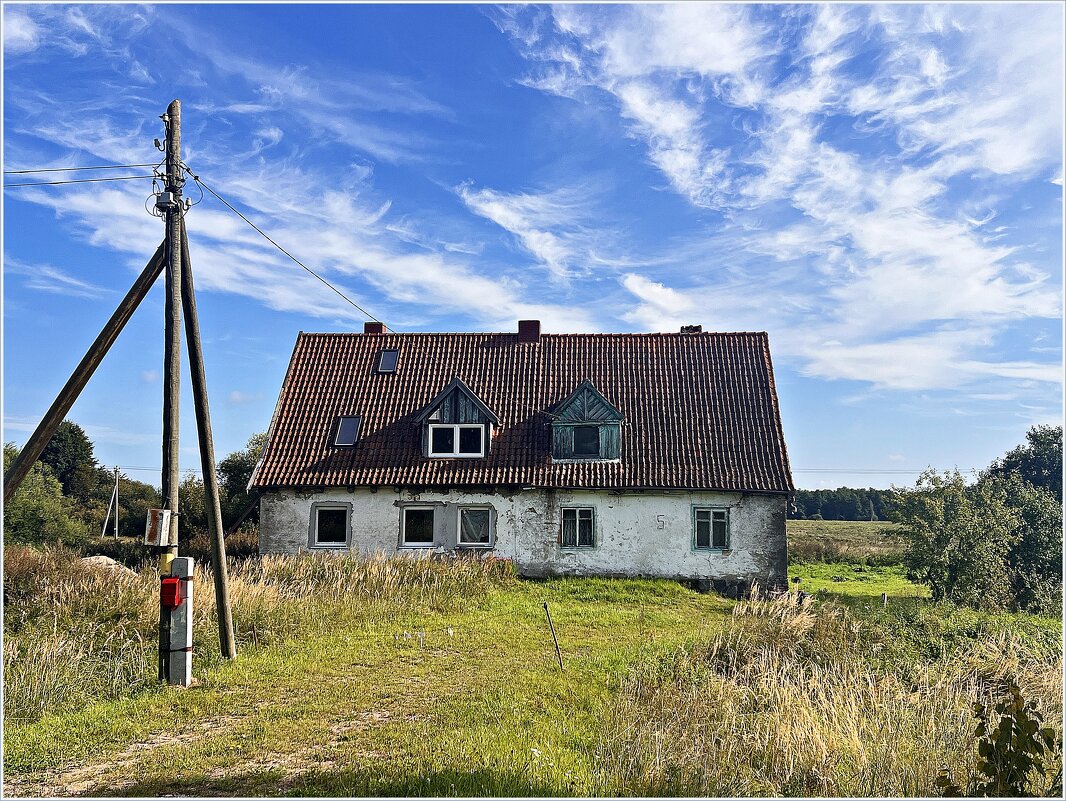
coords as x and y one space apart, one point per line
577 527
712 509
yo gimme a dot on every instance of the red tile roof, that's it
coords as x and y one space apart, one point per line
700 411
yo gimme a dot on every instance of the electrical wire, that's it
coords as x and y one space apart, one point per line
263 234
77 169
79 181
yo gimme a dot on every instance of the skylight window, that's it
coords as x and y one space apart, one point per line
387 361
347 431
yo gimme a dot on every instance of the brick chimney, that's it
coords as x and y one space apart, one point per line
529 330
692 329
373 328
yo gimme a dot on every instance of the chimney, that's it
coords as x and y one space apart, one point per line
692 329
528 330
373 328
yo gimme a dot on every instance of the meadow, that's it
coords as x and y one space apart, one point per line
426 678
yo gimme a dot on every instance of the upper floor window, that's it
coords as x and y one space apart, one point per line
586 427
710 528
387 361
456 440
347 431
586 442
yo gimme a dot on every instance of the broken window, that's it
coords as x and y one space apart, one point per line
457 440
387 361
578 527
329 526
586 442
417 527
711 528
475 527
347 431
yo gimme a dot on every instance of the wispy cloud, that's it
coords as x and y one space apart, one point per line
46 278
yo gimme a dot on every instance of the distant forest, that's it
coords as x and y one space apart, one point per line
842 504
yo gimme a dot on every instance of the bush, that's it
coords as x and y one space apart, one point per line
38 512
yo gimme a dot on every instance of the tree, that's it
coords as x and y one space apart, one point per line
959 538
69 453
38 512
1038 462
1035 559
234 472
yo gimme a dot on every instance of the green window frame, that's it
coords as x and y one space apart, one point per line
710 528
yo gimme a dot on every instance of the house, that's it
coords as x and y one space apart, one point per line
576 454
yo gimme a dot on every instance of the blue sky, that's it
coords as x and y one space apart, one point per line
878 187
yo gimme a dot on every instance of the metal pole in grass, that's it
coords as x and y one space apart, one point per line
558 653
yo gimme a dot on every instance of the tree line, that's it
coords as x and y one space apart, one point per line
843 503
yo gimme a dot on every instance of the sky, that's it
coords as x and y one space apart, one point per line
879 187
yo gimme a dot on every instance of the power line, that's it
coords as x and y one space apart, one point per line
262 233
80 181
77 169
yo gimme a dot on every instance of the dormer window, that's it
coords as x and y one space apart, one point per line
347 431
586 427
387 361
456 424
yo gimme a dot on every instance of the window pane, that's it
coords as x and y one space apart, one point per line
719 533
387 361
703 533
470 439
586 441
474 526
569 527
584 529
332 527
443 440
418 526
347 431
703 514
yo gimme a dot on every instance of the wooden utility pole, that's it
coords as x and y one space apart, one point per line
170 203
35 445
116 502
207 453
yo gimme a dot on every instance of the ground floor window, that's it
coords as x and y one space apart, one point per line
330 525
416 527
578 527
475 527
710 528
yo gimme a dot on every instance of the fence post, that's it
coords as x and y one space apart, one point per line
558 653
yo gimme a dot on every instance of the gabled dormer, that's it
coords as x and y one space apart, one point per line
456 424
586 427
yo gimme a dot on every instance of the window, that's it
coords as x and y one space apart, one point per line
416 529
347 431
387 361
586 442
578 528
457 440
711 528
475 527
330 525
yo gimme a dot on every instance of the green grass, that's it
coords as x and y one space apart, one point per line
441 679
844 541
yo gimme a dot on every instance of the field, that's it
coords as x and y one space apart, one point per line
429 678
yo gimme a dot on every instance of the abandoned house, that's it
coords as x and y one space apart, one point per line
570 454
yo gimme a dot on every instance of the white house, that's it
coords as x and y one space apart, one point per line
578 454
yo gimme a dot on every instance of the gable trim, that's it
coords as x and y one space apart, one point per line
585 384
456 384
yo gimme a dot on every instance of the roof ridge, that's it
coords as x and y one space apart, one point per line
542 336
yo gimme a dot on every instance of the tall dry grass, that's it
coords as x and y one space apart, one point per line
794 700
74 634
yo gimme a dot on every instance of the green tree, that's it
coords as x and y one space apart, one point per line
192 507
234 472
1035 559
69 453
38 512
959 538
1038 462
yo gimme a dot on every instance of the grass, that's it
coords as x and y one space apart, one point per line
422 677
857 541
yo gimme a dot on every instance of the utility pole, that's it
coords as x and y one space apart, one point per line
170 204
116 502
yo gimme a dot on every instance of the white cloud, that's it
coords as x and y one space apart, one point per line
21 34
45 278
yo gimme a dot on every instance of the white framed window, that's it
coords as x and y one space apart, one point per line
456 440
710 528
416 526
578 527
331 525
347 431
475 528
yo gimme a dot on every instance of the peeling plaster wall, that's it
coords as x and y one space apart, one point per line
637 534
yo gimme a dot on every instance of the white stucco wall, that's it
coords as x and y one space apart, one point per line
637 534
